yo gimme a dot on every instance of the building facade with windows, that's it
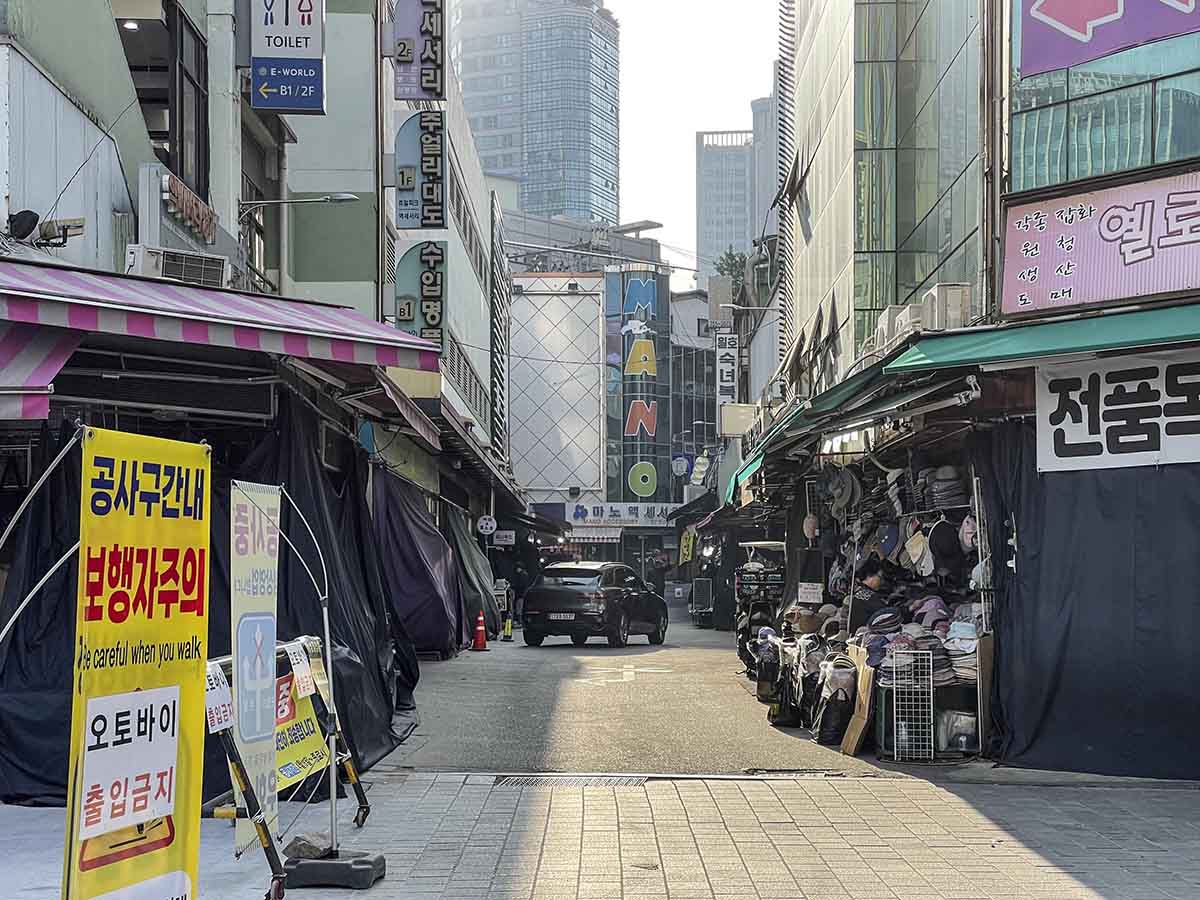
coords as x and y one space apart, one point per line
541 81
725 196
880 147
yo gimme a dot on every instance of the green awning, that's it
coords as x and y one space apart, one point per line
821 405
1020 343
748 470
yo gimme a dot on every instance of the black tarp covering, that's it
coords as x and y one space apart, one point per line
375 675
423 587
1096 663
475 572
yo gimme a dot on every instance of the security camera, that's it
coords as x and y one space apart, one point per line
21 225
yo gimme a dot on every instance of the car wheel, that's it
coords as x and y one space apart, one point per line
659 634
619 636
579 639
533 638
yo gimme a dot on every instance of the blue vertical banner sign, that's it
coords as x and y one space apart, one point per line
287 56
419 49
421 171
421 291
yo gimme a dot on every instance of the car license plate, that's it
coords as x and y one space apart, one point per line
562 617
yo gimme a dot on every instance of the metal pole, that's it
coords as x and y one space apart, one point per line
333 731
42 480
37 587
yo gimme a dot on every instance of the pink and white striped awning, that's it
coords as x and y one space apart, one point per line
30 357
168 311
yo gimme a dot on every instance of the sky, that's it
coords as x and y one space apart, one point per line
686 66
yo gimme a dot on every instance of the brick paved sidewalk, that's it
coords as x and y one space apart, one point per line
807 839
450 837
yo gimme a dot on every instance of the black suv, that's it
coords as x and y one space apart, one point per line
584 600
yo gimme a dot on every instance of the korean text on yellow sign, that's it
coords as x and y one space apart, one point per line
137 719
300 748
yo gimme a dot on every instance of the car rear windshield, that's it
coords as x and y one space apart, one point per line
585 578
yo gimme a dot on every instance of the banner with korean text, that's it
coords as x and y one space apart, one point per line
138 711
299 742
1119 412
253 590
1116 245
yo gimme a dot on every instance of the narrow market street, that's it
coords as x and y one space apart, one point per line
459 814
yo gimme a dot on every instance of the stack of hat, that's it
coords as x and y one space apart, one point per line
943 668
923 488
962 644
948 488
885 621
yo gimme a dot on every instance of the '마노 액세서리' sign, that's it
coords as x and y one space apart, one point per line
1123 243
138 705
1119 412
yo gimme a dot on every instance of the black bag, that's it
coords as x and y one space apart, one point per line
833 718
768 681
783 712
810 700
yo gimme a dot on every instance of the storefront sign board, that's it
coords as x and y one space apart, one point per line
253 595
1119 244
287 56
727 369
421 291
419 49
1056 34
299 742
421 171
504 538
188 209
1119 412
648 515
138 713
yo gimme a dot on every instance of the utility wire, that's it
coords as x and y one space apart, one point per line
107 134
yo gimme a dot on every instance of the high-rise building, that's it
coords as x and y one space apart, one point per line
541 81
881 151
724 195
763 219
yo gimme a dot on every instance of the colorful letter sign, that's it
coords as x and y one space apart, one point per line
643 416
299 744
141 645
253 590
287 56
1056 34
1122 243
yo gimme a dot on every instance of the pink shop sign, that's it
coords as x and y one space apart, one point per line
1120 244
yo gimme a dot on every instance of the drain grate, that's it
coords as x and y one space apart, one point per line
570 781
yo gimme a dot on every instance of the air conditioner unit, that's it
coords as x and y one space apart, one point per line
947 306
910 320
885 330
178 265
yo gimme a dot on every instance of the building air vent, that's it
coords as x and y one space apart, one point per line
573 287
179 265
518 288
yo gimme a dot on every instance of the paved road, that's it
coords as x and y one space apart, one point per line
454 824
679 708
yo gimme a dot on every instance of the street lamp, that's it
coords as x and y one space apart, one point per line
246 207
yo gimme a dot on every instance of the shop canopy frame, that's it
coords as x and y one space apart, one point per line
804 418
49 312
1020 345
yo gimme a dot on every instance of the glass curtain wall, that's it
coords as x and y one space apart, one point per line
1136 108
939 162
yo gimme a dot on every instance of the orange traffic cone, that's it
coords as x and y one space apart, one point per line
480 642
